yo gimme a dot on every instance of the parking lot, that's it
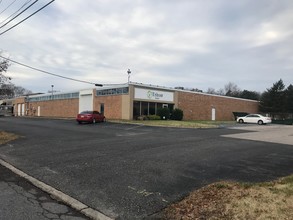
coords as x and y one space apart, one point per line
133 171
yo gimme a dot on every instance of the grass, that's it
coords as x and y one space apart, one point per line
6 137
231 200
179 124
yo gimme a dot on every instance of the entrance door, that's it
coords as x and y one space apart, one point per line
102 108
213 114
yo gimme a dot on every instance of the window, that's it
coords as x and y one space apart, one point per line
54 97
116 91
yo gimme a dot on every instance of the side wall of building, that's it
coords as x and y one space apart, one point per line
19 106
55 108
200 107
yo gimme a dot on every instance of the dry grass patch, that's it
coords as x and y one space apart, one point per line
174 123
229 200
6 137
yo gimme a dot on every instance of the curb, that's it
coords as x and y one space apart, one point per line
58 195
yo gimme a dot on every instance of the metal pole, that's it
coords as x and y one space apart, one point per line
52 90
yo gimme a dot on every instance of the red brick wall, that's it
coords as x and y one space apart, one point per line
112 105
199 107
16 102
55 108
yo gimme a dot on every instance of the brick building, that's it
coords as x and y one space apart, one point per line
127 101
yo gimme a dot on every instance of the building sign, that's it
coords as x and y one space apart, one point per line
154 95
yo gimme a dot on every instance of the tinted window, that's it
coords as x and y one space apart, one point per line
252 116
86 112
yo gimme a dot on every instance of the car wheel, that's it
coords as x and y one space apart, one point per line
94 121
241 121
79 122
260 122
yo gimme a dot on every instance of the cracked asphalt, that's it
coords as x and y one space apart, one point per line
133 171
21 200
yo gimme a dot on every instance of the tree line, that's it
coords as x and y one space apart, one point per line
277 99
232 90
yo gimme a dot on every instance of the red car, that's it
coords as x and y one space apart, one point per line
90 117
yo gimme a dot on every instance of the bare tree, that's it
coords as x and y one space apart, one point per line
215 92
8 89
231 89
4 64
211 91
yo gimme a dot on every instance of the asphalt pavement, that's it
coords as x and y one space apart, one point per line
22 200
134 171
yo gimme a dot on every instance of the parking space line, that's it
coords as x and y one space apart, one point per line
134 127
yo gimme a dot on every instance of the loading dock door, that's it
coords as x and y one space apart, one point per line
22 109
86 100
18 109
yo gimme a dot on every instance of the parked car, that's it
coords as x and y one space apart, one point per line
90 117
254 118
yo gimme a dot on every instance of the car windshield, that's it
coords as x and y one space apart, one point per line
86 112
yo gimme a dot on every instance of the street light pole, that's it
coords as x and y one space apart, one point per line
52 90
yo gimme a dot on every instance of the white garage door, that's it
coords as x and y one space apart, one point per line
18 109
86 100
22 109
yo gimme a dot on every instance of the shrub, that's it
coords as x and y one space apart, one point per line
142 118
164 113
177 114
154 117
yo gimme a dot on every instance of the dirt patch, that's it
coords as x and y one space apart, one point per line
230 200
6 137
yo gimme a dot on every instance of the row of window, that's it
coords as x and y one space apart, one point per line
54 97
116 91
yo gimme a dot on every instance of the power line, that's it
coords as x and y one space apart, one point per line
19 13
15 11
52 74
7 6
27 17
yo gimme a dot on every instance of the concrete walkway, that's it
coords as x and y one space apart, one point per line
280 134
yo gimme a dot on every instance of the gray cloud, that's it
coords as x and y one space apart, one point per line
190 43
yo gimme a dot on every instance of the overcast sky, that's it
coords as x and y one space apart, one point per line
191 43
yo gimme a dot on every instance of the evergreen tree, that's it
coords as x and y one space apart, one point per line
274 99
289 98
246 94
